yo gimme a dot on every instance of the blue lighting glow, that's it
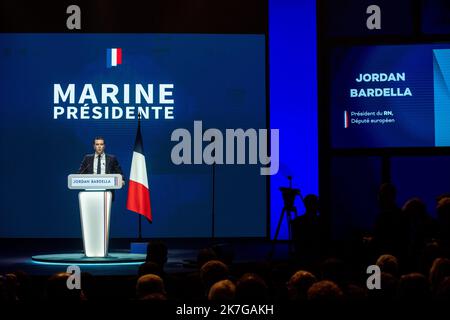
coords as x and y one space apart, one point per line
293 100
106 264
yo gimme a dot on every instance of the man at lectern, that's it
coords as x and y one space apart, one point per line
99 162
95 205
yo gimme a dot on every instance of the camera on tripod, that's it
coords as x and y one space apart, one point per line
289 194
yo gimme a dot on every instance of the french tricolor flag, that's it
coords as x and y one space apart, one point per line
113 57
138 191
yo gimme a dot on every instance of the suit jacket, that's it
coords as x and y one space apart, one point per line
112 165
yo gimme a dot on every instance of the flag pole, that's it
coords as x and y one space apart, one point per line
213 209
140 215
213 202
140 228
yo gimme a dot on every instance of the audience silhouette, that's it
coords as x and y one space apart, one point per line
409 246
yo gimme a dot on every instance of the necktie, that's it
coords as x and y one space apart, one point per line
99 166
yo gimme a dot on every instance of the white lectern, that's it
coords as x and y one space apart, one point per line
95 209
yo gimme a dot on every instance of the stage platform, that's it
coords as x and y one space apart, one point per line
44 257
79 258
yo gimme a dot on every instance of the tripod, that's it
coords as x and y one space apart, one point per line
288 208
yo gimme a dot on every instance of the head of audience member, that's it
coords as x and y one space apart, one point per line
150 268
413 286
251 287
387 195
389 287
149 284
415 210
299 284
325 291
212 272
223 290
440 269
157 252
311 203
442 196
205 255
57 289
388 264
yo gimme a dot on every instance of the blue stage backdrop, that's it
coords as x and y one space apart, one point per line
218 79
293 100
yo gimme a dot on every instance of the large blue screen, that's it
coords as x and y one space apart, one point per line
390 96
45 131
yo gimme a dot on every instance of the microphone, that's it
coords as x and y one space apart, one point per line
84 169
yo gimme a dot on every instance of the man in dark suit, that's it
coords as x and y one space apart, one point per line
99 162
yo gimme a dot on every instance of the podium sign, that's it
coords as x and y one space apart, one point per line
94 181
95 209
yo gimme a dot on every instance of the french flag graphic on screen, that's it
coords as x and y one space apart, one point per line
113 57
346 119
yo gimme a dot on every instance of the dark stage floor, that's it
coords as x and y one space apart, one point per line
15 254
